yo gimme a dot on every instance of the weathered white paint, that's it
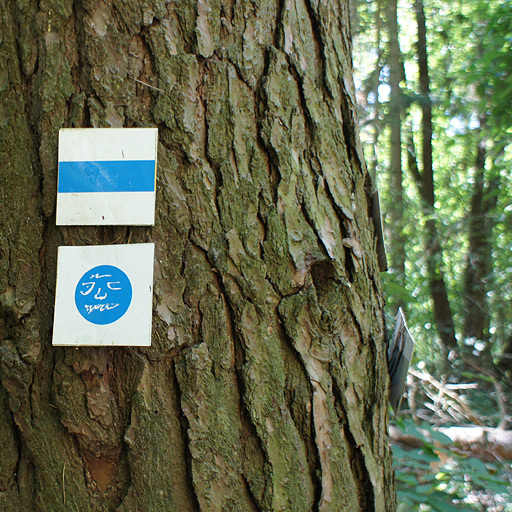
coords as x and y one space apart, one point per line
91 161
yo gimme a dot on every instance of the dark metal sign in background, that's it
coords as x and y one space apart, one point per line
400 350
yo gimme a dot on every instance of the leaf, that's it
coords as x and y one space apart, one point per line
440 437
492 484
398 292
476 465
406 478
441 505
424 489
424 455
412 496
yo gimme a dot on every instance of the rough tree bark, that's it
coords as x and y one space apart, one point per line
266 385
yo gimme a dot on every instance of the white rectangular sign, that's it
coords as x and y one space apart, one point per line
104 295
107 176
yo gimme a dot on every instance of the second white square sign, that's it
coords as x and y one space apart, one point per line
104 295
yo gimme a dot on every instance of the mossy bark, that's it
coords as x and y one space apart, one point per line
266 385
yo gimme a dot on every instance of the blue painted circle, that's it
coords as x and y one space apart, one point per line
103 294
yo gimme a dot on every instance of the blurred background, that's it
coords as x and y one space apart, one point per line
434 89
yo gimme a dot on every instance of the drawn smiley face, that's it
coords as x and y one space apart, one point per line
103 294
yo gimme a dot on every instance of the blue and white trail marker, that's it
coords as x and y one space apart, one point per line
107 176
104 295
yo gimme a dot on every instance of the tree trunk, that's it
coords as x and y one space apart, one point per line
442 312
266 384
479 259
478 264
395 204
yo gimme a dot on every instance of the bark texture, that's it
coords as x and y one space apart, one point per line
266 384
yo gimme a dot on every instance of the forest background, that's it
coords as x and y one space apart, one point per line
435 93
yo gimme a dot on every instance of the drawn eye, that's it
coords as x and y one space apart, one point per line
91 286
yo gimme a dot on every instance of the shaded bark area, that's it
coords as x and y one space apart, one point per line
266 384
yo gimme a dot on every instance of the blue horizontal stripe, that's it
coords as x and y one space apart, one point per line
110 176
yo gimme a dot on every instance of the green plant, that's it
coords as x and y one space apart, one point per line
434 477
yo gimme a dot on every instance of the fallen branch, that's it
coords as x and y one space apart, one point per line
489 444
443 396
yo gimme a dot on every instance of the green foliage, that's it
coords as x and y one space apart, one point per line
434 477
470 63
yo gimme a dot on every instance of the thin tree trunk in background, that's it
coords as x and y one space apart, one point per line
442 312
371 88
395 206
478 269
266 384
478 266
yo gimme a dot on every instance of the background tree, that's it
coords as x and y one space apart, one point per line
462 85
456 216
395 204
441 304
266 384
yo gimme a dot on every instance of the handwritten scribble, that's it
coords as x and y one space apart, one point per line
103 294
